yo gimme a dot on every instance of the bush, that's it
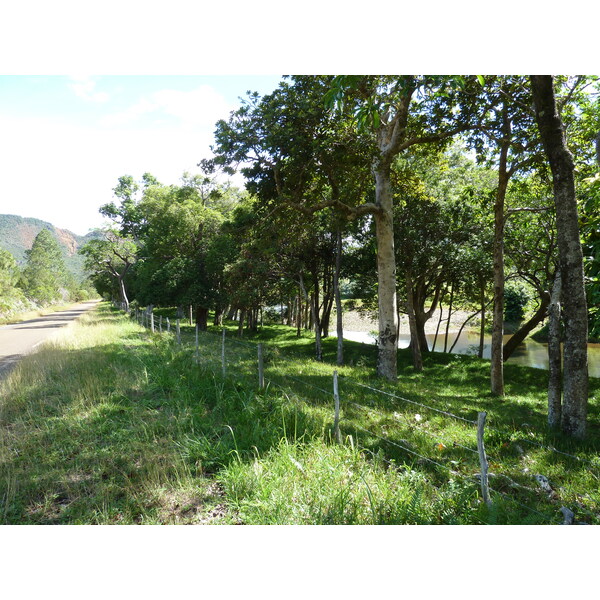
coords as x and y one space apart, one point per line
516 298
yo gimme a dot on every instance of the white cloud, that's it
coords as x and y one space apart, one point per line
84 87
200 108
62 173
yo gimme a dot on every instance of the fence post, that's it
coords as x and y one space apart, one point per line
160 323
178 332
168 325
191 322
261 368
336 399
152 322
223 353
482 458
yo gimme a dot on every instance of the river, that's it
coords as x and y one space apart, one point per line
530 353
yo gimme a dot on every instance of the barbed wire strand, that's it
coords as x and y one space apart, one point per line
448 414
492 428
430 433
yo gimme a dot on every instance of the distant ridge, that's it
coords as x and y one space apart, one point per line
17 235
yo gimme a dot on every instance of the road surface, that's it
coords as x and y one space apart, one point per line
19 339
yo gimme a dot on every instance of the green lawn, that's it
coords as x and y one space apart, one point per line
111 424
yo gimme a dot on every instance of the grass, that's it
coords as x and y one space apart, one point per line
111 424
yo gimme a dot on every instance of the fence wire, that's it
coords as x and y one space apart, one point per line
246 365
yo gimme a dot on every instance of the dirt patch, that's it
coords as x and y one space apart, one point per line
204 507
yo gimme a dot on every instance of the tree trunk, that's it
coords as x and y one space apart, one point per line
450 305
315 316
387 345
554 356
412 321
338 298
482 327
497 368
573 301
241 323
202 318
540 314
299 317
123 294
421 319
437 329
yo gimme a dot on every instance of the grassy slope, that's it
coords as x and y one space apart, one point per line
110 424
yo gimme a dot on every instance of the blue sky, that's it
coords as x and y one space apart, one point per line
65 141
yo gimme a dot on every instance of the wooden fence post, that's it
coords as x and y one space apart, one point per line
223 353
191 321
261 368
160 323
168 325
152 322
482 458
336 399
178 332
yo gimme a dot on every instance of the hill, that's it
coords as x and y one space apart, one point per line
17 235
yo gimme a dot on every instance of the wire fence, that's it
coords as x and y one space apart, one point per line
458 455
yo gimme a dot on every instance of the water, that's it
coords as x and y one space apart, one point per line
530 353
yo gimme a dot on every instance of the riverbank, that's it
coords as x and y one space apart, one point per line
353 320
532 352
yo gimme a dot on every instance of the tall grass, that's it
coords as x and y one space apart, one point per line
110 424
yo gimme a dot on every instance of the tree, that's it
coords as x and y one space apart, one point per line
401 113
296 154
45 272
506 138
573 300
9 273
182 248
112 256
10 295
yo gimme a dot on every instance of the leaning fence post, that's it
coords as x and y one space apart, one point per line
223 353
261 368
482 458
336 399
178 332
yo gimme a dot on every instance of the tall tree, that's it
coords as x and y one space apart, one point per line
112 256
401 112
45 272
573 300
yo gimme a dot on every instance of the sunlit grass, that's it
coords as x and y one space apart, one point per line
110 424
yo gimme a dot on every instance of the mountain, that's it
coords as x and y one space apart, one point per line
17 235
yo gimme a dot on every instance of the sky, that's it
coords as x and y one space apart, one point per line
65 140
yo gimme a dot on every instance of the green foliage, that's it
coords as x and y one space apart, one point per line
44 274
516 297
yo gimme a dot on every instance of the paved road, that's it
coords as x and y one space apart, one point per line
19 339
